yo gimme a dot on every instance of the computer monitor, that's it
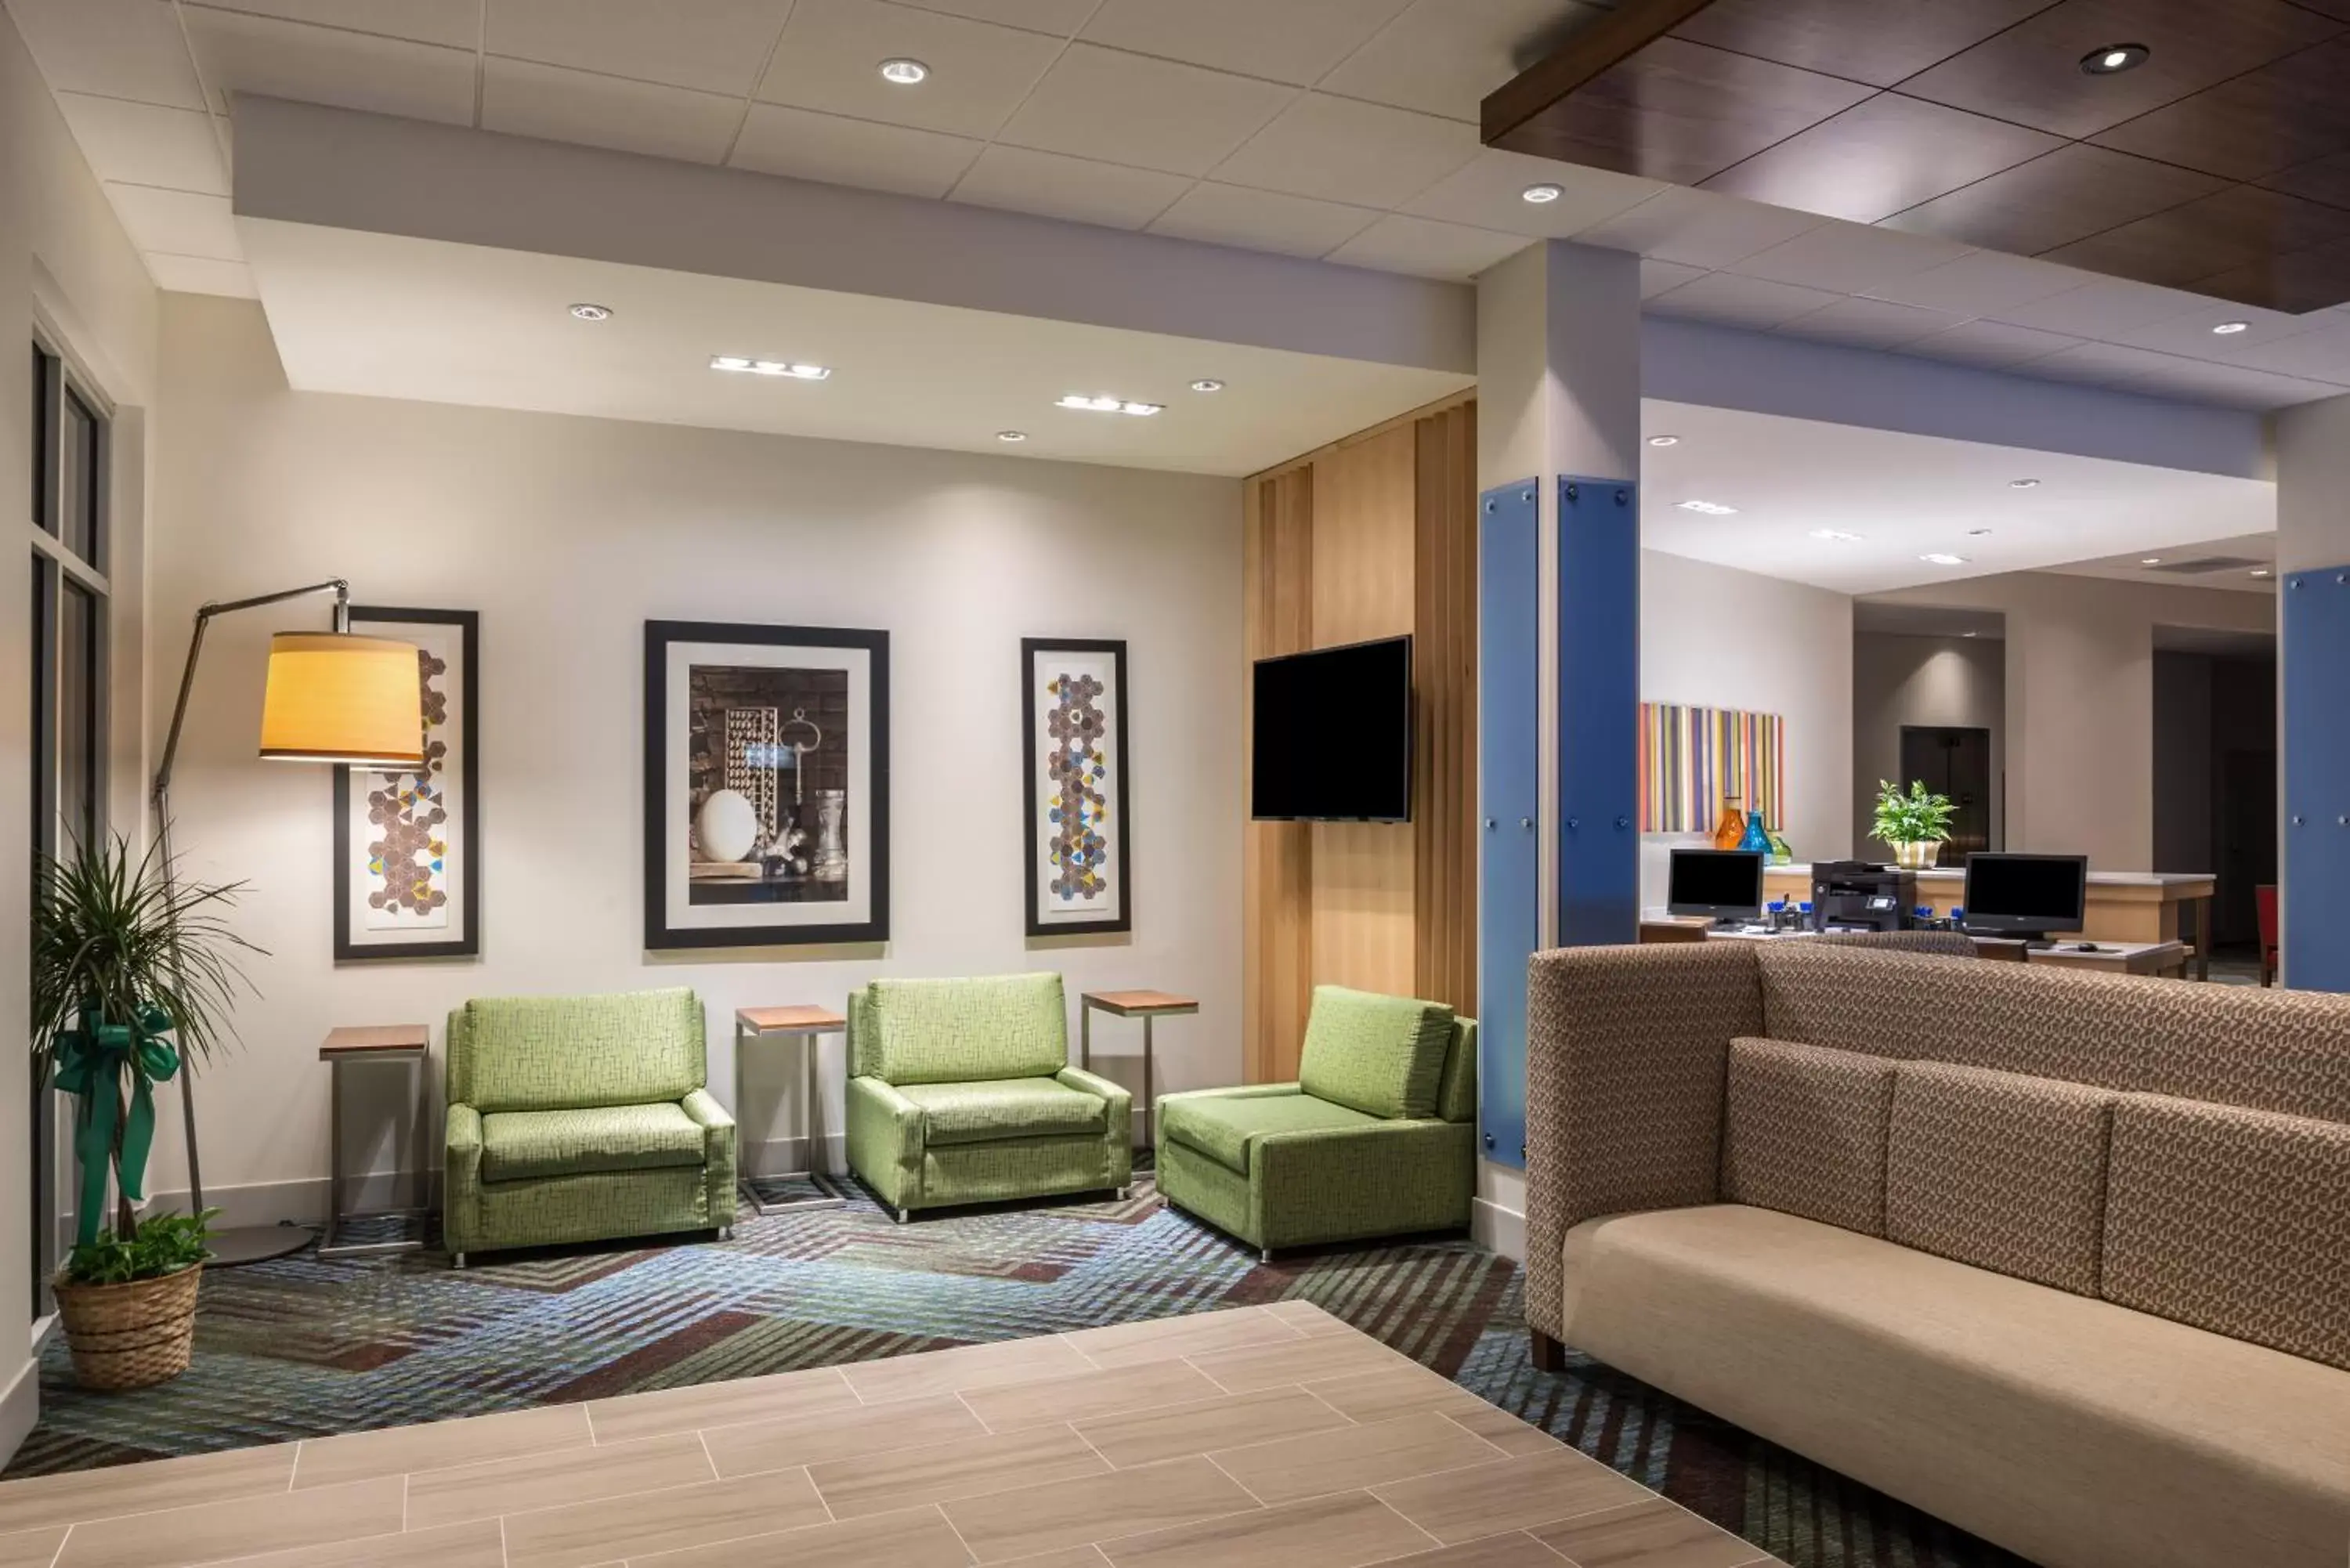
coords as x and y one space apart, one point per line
2026 894
1724 882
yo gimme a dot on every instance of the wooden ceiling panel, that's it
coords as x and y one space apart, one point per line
2327 180
2291 112
2069 196
1876 41
2221 236
1882 157
2303 281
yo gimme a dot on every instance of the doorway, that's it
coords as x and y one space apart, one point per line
1954 761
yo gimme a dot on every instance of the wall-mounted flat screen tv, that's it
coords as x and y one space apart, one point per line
1332 735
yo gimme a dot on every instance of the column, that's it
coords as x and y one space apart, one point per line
2312 474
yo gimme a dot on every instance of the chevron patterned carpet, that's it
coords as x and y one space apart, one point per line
307 1347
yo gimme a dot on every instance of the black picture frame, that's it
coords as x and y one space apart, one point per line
660 935
1031 772
349 947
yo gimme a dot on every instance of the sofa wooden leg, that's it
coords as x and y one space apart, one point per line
458 1261
726 1232
1124 1193
904 1215
1264 1254
1549 1355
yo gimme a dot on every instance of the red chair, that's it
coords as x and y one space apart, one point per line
2264 901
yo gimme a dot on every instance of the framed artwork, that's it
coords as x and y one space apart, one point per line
407 845
766 786
1693 759
1073 727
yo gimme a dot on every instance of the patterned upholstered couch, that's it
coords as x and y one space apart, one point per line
2061 1259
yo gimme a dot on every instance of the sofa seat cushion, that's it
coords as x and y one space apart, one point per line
519 1145
1004 1107
2056 1424
1225 1129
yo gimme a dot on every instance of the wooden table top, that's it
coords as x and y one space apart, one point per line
1136 1004
376 1040
799 1018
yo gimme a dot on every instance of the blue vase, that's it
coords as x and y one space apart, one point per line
1757 838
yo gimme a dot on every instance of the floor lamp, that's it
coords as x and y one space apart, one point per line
332 698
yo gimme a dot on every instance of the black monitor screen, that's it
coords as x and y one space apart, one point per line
1331 735
2027 892
1715 882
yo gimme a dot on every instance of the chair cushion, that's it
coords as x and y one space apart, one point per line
1004 1107
1381 1056
1225 1129
557 1053
518 1145
1805 1132
963 1030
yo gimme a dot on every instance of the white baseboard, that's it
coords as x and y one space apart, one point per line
303 1202
20 1408
1502 1229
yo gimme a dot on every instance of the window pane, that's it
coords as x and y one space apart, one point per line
77 481
77 618
44 447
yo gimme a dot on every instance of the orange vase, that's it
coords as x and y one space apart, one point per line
1732 825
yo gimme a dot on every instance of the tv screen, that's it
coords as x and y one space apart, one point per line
1718 882
2033 893
1332 735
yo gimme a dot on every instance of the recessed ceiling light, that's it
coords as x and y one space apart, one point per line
1708 508
1207 384
2230 328
1664 440
1105 404
796 372
1977 533
1012 435
1940 559
2114 59
2259 571
1542 195
1969 634
905 73
586 312
2023 485
1838 535
2149 560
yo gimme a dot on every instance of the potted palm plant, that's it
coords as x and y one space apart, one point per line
132 975
1914 826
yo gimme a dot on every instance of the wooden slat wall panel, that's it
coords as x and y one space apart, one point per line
1444 647
1276 964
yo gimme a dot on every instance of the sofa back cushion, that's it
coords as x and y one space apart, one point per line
963 1030
1999 1170
1456 1095
1805 1132
1381 1056
572 1053
2233 1221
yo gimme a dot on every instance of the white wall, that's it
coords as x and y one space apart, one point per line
567 534
1936 681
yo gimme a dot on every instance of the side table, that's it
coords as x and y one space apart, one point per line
405 1043
806 1023
1146 1005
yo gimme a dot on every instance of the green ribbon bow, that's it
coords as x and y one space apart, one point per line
91 1061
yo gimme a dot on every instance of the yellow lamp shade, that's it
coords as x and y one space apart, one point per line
335 698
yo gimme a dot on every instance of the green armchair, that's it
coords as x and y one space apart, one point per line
581 1118
1378 1138
960 1091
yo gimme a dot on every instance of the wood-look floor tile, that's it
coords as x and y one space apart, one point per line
1652 1534
1393 1391
1310 1360
1053 1401
1511 1494
917 1538
1515 1550
479 1543
1125 1344
902 1478
705 1405
828 1434
552 1480
963 1368
31 1548
238 1527
440 1444
1306 1318
1005 1525
1074 1557
39 1502
611 1528
1355 1457
1228 1420
1501 1428
1343 1531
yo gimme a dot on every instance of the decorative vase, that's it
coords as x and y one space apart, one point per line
1756 838
830 861
1780 854
1917 855
131 1336
1732 825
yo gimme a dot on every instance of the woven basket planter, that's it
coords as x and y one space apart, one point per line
131 1336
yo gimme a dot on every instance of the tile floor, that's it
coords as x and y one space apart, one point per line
1266 1436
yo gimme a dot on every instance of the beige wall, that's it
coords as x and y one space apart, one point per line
567 534
1900 679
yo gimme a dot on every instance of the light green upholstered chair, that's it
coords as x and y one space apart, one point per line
1377 1137
581 1118
960 1091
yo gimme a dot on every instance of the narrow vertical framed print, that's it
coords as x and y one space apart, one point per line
1079 869
407 845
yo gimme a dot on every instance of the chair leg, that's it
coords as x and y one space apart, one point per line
903 1216
726 1232
1124 1193
1549 1355
458 1261
1264 1254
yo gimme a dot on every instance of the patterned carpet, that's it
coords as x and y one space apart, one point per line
305 1346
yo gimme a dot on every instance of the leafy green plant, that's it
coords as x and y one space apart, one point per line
1919 816
165 1244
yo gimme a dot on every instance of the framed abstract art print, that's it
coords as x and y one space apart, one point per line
1079 871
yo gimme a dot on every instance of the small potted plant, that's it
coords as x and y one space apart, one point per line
132 973
1914 826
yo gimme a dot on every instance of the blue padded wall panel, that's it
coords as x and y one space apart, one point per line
1509 805
2315 610
1598 711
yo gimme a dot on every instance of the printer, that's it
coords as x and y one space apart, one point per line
1856 896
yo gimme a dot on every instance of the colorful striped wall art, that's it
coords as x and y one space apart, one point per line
1693 759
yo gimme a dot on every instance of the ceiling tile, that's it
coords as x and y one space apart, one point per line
2167 374
1061 18
1848 258
1426 249
1875 41
1442 57
1489 193
1869 324
2322 354
2190 334
717 46
1341 151
1700 228
2320 180
1657 276
1078 189
1979 284
2242 226
1736 301
146 144
326 64
2070 194
1881 157
1293 41
1153 114
2255 125
180 221
456 23
1262 220
840 151
1992 345
2102 308
528 100
832 51
200 274
121 49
